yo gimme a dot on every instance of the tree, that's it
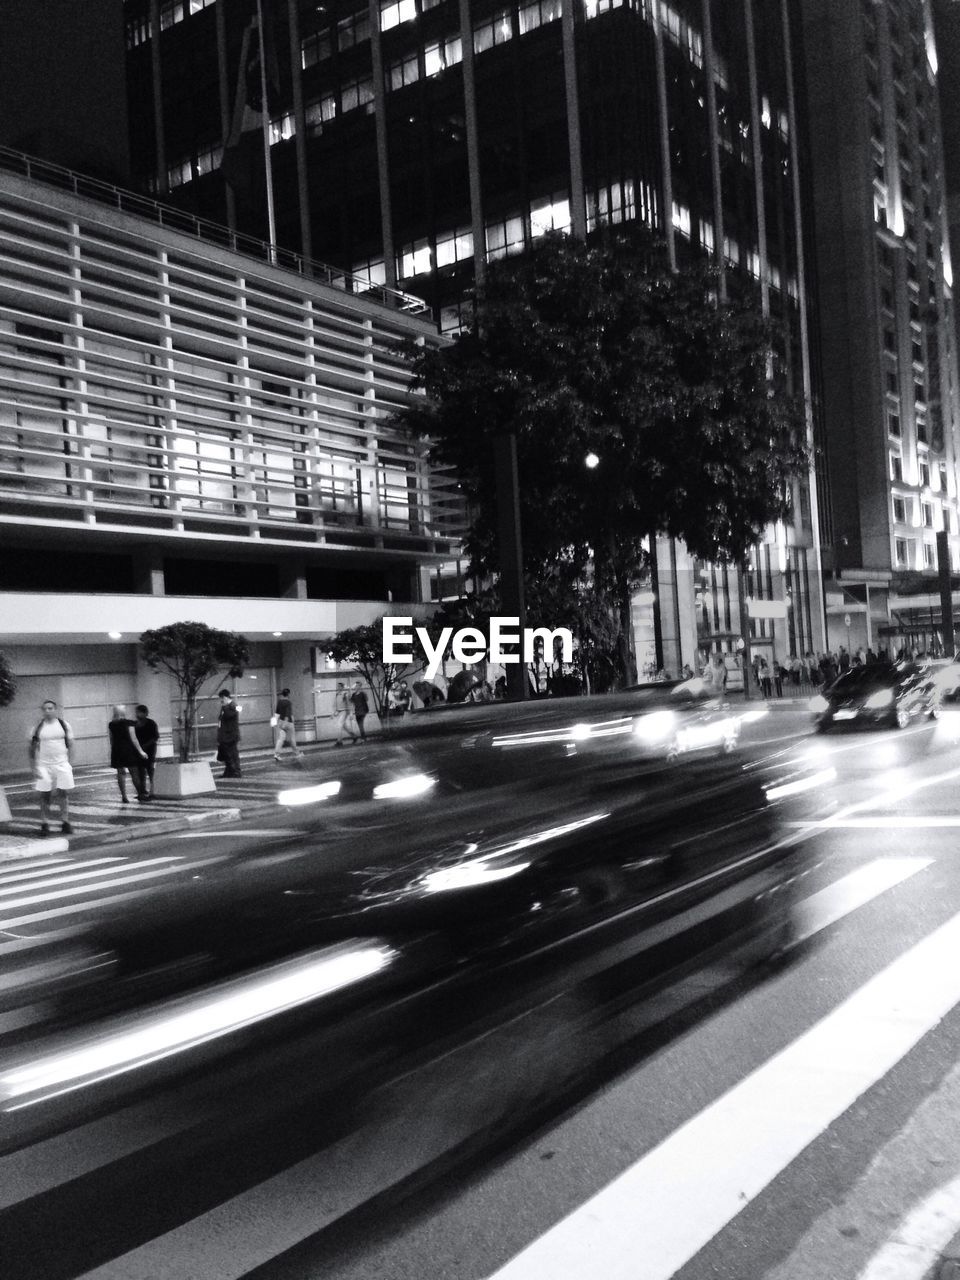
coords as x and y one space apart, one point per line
193 653
8 683
598 347
362 647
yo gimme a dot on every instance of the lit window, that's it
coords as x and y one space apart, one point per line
681 219
317 114
455 246
356 95
415 259
549 214
392 15
437 57
497 31
282 128
404 72
504 237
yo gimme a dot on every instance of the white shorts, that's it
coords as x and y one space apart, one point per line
54 776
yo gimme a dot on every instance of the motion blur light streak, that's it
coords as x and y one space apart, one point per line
818 704
470 875
882 698
656 726
706 735
307 795
801 784
757 713
159 1035
550 833
404 788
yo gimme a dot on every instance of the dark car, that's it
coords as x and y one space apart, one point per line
886 694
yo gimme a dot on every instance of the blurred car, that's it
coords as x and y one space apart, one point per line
946 676
882 694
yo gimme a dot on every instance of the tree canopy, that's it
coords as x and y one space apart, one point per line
193 653
598 347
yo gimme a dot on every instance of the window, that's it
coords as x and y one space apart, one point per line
504 237
391 15
926 514
537 14
889 340
893 424
454 246
446 53
900 552
317 114
416 259
356 95
315 48
924 473
404 72
497 31
929 556
899 510
681 219
893 383
896 467
353 30
552 213
282 128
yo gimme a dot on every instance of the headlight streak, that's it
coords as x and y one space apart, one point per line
882 698
757 713
655 727
205 1018
404 788
579 732
308 795
480 871
706 735
801 784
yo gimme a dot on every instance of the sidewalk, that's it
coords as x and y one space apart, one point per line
98 817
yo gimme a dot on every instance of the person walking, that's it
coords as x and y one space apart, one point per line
343 711
286 731
126 753
50 745
361 708
148 735
228 735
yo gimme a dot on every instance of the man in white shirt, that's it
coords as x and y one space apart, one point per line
50 745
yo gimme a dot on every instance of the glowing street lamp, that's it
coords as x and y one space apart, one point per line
591 461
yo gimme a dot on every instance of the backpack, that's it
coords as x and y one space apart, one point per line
35 739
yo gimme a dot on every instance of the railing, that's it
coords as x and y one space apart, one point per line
173 219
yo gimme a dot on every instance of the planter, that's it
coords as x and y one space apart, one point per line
172 779
5 815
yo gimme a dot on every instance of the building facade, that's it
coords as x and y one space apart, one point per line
187 433
413 141
889 345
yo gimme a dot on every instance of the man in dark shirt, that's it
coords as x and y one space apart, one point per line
285 732
361 707
148 735
228 736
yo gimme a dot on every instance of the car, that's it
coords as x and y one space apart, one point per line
878 694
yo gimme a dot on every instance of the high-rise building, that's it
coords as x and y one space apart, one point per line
946 15
889 346
412 141
191 434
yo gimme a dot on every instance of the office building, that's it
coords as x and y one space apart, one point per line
888 341
412 141
188 433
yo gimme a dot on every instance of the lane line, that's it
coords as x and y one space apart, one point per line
853 891
920 1238
654 1218
892 822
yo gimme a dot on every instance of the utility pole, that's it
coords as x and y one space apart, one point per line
511 552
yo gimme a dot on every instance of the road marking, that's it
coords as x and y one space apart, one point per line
655 1217
853 891
92 902
70 875
919 1240
274 833
892 822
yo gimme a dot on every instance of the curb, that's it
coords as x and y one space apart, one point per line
31 848
150 829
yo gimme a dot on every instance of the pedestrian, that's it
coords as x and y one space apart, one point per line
764 676
361 707
343 713
148 735
50 745
286 730
778 677
228 735
127 753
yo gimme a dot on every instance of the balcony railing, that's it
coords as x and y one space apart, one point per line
173 219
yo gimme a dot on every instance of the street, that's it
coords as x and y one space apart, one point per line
787 1123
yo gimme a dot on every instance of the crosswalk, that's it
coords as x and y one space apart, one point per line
645 1223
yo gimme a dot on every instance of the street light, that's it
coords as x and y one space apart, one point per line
591 461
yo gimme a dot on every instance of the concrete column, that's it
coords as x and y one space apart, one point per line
578 204
300 137
223 87
666 173
157 84
473 146
383 160
714 142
